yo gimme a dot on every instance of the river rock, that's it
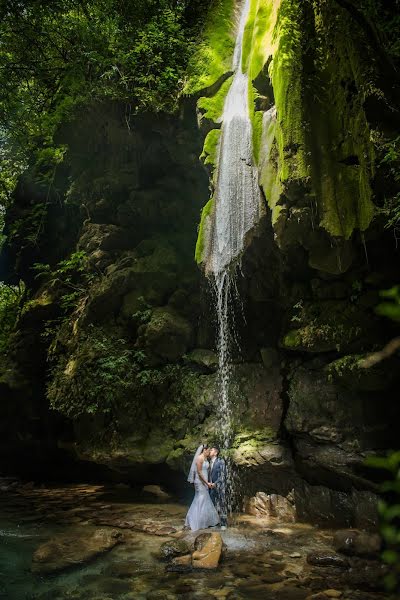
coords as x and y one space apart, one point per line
173 548
271 505
181 563
357 543
207 551
156 490
325 559
68 550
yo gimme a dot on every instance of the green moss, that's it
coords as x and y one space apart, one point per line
210 148
214 53
257 45
201 238
213 107
292 339
324 326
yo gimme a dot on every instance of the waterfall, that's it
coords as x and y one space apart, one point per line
237 205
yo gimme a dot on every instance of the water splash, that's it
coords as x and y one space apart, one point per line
237 203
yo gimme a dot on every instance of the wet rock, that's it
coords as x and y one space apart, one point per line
271 505
320 559
205 359
182 563
207 551
68 550
256 591
333 593
241 571
114 586
168 334
119 569
156 490
291 593
173 548
268 576
357 543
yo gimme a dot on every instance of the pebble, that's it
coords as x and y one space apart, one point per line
333 593
295 555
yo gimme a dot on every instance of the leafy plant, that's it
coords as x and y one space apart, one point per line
391 306
95 378
389 510
10 297
71 273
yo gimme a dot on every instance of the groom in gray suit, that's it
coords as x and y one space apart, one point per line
217 476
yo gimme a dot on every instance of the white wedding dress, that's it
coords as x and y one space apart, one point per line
202 513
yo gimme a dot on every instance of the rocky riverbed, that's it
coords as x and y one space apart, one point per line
99 542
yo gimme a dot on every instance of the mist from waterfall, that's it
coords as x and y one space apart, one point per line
237 205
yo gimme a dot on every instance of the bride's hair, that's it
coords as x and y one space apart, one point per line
205 447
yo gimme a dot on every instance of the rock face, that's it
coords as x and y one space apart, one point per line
128 361
358 543
66 551
271 505
207 551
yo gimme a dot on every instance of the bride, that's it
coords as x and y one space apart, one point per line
202 512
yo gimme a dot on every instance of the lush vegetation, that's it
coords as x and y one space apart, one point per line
10 297
389 509
57 56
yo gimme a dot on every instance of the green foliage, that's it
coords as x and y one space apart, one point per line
389 510
96 378
72 273
391 163
391 306
10 297
214 48
56 57
28 229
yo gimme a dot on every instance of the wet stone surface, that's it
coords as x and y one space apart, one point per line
262 558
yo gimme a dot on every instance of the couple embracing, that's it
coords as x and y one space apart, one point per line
208 474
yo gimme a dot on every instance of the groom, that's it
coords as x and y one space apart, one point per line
217 476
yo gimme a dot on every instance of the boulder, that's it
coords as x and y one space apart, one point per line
157 491
271 505
168 334
183 562
357 543
72 549
174 548
207 360
207 551
326 559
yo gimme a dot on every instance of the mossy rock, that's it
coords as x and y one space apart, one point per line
348 372
173 548
205 359
168 335
330 325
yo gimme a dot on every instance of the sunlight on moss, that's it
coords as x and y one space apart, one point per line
201 238
212 107
214 54
210 148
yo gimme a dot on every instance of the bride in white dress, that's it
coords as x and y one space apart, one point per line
202 512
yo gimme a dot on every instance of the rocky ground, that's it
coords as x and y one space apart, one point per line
105 543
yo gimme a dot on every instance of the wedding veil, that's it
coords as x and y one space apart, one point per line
193 468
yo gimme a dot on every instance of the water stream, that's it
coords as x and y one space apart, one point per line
264 558
237 205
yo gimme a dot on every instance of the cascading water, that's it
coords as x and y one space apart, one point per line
237 206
